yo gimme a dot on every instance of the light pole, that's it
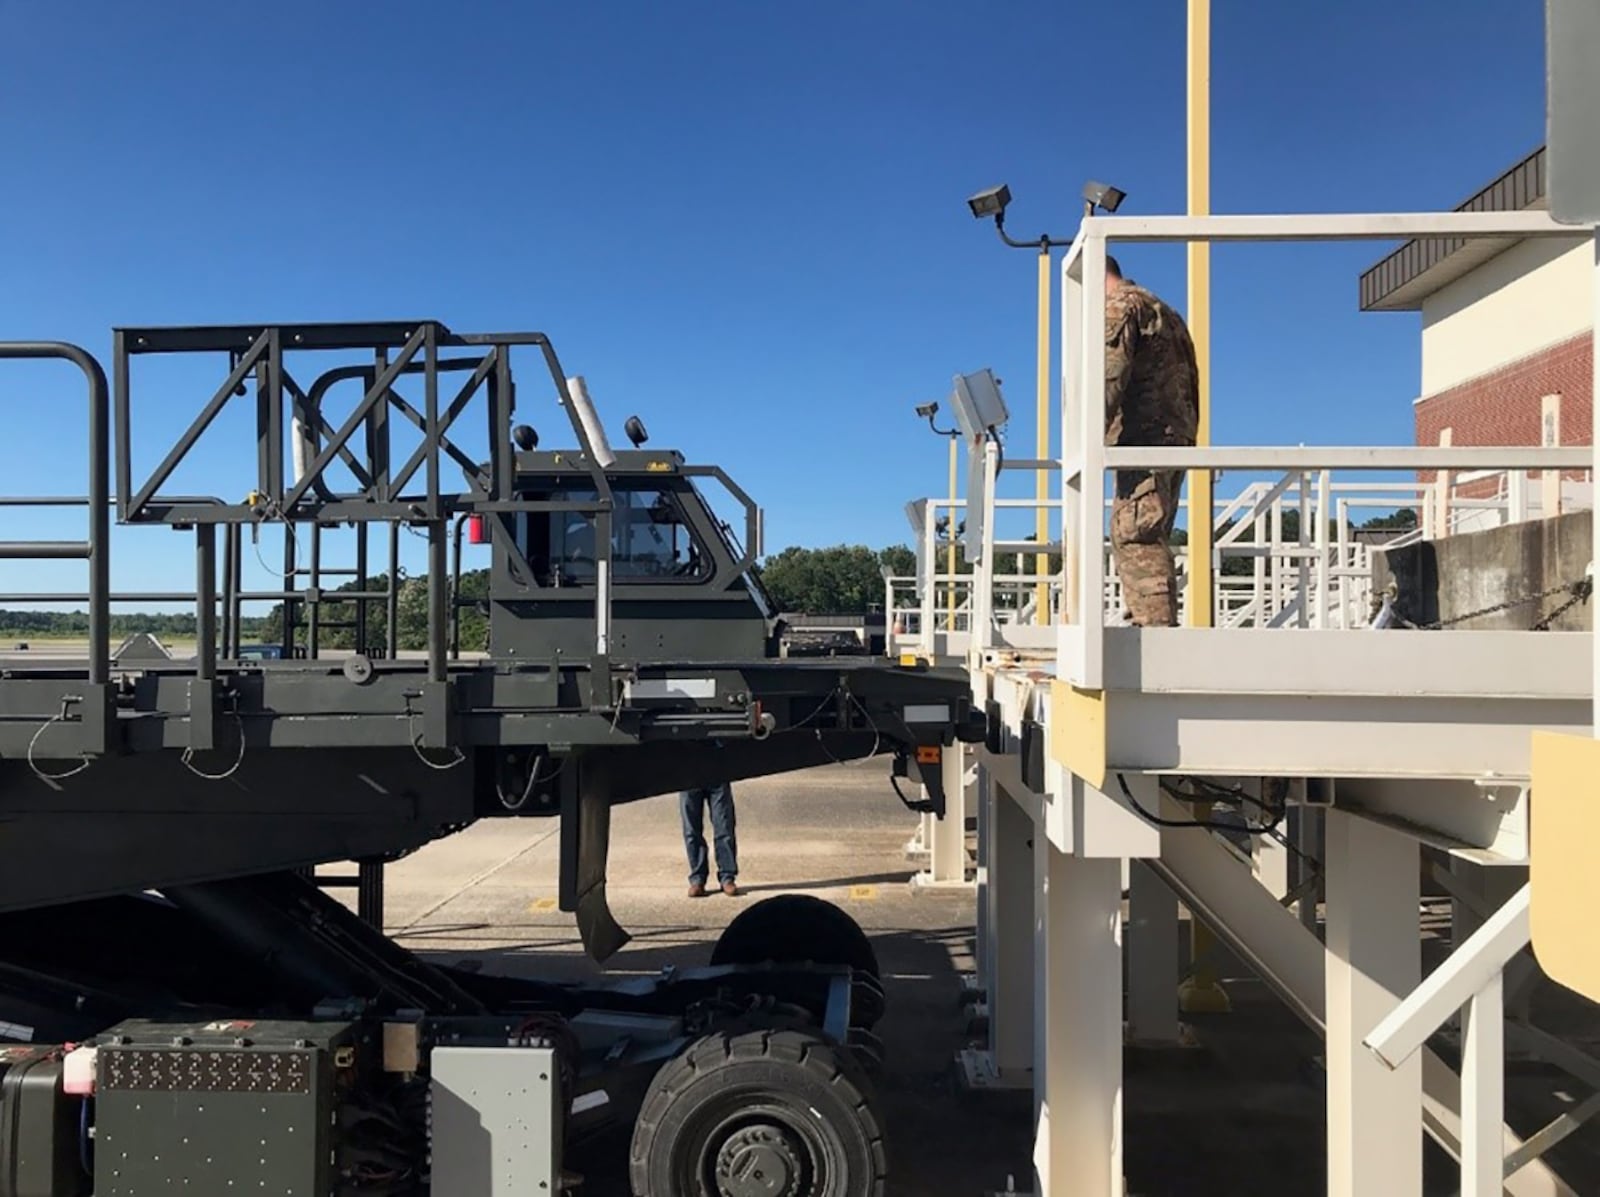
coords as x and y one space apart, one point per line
927 411
993 202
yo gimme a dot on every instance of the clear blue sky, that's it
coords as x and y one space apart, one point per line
744 221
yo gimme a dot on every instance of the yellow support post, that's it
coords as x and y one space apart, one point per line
1202 992
1201 508
1041 478
950 555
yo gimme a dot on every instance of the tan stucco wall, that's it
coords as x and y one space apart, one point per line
1531 296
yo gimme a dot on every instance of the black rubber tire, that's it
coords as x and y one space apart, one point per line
792 929
794 1083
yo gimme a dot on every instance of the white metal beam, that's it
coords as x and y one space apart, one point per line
1373 958
1011 903
1461 664
1331 735
1359 457
947 851
1483 1092
1477 961
1078 1049
1152 958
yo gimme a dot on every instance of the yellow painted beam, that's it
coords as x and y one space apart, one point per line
1565 884
950 554
1078 731
1202 992
1199 314
1041 478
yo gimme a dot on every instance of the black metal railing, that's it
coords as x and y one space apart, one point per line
97 548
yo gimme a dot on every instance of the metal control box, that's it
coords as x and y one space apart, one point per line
233 1106
495 1121
38 1126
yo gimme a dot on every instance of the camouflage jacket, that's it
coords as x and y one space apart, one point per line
1152 382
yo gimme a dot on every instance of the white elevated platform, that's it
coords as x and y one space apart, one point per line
1383 739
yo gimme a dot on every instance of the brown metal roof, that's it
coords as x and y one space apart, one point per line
1401 281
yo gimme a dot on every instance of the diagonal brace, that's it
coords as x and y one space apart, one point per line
195 431
437 435
379 388
1481 957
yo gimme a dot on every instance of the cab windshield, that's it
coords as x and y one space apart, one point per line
651 540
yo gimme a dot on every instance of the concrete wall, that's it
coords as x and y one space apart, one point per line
1443 579
1532 296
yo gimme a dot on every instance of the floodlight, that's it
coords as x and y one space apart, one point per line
991 202
927 410
525 438
635 431
1102 195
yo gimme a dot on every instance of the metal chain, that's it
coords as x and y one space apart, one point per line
1579 591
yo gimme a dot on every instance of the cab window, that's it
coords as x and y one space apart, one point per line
651 540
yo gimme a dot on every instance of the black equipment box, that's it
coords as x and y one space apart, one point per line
39 1128
232 1106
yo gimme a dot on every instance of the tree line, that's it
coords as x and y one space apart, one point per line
837 580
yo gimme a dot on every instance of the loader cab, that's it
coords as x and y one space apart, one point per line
682 587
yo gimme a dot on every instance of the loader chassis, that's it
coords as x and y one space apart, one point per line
182 1005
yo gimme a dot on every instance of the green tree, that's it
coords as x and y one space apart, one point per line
839 580
1399 521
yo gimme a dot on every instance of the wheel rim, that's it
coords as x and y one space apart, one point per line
753 1145
761 1160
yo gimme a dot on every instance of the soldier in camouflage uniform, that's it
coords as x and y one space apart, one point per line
1152 398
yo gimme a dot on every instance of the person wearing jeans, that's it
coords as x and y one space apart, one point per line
692 805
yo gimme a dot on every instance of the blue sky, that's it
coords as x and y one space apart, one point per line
744 221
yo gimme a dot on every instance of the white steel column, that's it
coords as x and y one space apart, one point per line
985 793
1077 1150
1483 1093
1373 960
947 849
1152 958
1303 821
1270 860
1010 980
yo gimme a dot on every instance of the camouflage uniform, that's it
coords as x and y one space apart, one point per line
1152 398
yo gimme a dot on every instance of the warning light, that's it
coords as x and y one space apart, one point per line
476 533
929 754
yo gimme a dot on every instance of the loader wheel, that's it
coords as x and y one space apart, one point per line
794 928
762 1114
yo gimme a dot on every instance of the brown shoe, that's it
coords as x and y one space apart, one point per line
730 889
697 890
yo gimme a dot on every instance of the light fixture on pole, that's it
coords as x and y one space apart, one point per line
994 202
928 411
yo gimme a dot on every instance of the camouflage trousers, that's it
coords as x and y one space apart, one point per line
1142 515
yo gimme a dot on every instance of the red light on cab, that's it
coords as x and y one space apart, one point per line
476 533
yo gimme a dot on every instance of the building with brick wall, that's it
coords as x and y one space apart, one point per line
1506 328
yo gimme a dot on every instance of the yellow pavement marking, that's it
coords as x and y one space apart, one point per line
863 893
541 905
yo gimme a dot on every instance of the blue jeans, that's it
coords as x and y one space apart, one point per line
692 805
